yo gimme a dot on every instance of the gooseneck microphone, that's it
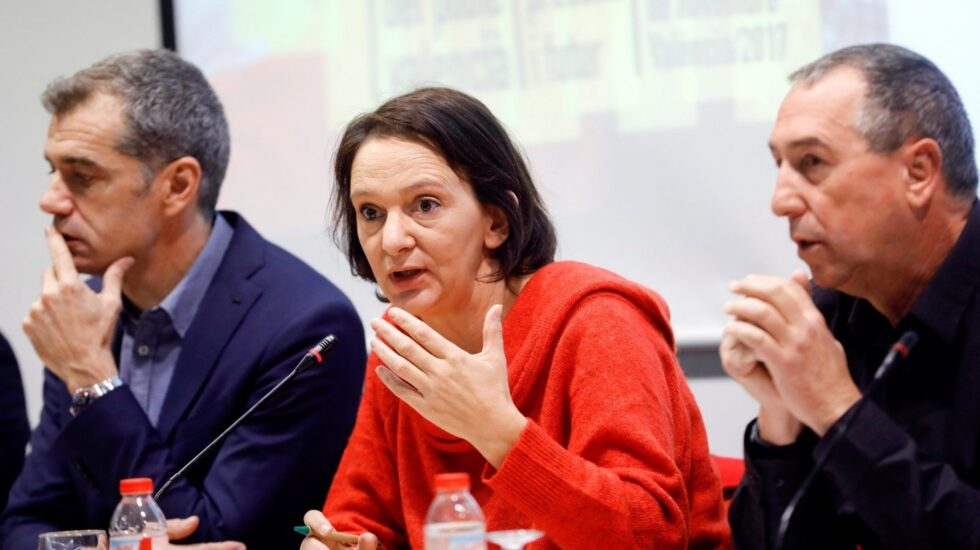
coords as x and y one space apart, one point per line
898 352
312 357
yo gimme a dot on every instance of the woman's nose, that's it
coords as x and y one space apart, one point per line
397 235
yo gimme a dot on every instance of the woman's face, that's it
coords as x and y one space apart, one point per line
426 236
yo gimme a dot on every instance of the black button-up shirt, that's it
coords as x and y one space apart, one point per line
906 474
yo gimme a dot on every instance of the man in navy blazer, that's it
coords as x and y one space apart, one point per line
194 318
14 428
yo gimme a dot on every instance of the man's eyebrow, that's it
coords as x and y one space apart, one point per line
802 142
81 161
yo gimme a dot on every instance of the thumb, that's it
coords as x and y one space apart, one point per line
367 541
181 528
800 277
112 279
493 331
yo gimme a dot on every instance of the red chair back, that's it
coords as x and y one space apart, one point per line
730 470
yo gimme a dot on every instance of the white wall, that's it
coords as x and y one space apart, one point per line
40 40
726 409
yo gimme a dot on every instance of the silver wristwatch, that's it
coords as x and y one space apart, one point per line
83 397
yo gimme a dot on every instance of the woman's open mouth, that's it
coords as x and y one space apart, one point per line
405 275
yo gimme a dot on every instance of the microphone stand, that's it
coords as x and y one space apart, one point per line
899 351
314 356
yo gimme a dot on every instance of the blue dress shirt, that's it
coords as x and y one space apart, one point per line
151 340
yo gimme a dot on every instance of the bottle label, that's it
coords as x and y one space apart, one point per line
132 542
466 542
469 535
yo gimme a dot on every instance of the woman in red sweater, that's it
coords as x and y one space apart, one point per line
553 385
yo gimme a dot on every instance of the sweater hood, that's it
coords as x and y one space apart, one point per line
537 318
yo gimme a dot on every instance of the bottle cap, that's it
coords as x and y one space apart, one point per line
452 482
135 486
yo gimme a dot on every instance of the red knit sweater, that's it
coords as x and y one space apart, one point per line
614 455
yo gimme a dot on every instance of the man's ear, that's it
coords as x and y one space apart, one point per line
924 170
181 182
498 229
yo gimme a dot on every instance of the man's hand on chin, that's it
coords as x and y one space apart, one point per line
69 325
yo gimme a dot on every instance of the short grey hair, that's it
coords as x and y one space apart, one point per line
908 97
170 110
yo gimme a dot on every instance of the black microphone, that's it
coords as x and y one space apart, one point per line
899 351
314 356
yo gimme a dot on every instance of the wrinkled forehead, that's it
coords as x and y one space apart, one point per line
392 163
821 109
98 116
89 136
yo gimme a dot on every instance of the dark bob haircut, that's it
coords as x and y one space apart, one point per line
461 130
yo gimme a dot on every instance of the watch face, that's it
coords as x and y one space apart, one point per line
84 396
81 398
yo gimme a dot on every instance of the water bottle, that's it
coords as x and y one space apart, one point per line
137 523
454 521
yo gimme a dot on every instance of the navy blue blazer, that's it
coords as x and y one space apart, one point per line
14 428
262 312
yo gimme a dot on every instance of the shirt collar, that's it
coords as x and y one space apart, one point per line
182 302
945 297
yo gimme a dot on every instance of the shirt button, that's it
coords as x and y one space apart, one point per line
143 350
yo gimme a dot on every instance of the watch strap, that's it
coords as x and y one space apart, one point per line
85 396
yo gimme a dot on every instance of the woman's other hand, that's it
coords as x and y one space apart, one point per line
320 527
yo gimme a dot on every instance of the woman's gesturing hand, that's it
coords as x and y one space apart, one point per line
465 394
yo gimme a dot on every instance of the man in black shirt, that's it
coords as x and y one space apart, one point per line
877 179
